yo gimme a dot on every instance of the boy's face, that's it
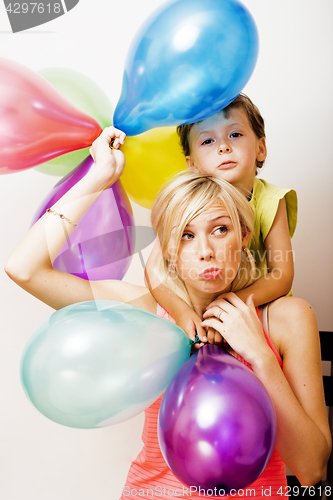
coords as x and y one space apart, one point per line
226 147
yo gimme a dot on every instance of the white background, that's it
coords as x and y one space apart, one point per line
292 85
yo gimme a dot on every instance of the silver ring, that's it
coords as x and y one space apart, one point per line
220 314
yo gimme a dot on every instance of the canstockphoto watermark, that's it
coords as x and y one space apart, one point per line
184 492
24 15
164 492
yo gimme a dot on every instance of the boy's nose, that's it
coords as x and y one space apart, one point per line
224 149
224 146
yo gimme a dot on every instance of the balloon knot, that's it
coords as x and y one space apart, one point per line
196 341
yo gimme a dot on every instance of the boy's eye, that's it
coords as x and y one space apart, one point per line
207 141
235 134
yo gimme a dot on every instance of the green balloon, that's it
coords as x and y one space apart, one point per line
64 164
86 95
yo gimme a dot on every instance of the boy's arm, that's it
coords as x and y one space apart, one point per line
280 263
183 314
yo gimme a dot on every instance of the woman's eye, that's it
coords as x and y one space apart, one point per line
221 230
235 134
207 141
187 236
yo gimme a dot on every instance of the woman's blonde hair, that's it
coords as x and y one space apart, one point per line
183 198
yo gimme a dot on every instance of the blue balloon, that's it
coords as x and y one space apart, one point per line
190 59
94 364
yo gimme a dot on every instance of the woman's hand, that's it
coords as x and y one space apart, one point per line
30 264
109 160
238 324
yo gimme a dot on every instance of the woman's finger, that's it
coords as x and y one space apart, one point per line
250 302
223 305
215 311
213 324
229 298
112 133
112 136
230 304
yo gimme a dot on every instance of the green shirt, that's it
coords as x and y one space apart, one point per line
265 201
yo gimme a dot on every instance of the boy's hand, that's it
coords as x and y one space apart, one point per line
214 337
191 324
106 154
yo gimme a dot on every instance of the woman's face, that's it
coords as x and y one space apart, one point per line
209 253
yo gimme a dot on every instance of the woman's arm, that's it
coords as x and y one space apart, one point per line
280 263
30 264
293 324
303 436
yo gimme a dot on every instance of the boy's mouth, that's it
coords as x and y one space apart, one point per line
226 164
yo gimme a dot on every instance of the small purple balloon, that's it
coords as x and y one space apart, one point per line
102 246
217 425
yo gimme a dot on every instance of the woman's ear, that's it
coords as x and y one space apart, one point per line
262 150
245 236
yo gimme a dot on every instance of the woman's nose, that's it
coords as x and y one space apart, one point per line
205 251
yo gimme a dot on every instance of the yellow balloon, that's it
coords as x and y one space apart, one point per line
151 159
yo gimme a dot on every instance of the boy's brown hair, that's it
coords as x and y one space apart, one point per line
241 101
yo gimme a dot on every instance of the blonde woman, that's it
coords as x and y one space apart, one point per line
203 225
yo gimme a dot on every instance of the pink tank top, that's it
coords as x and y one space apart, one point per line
150 477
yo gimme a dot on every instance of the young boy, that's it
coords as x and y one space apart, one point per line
231 145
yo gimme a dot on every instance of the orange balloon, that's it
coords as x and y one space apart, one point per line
36 122
151 159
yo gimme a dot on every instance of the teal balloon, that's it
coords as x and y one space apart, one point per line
190 59
95 364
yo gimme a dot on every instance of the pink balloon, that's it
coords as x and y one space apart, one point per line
102 246
36 122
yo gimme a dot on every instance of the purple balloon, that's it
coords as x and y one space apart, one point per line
217 425
102 246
